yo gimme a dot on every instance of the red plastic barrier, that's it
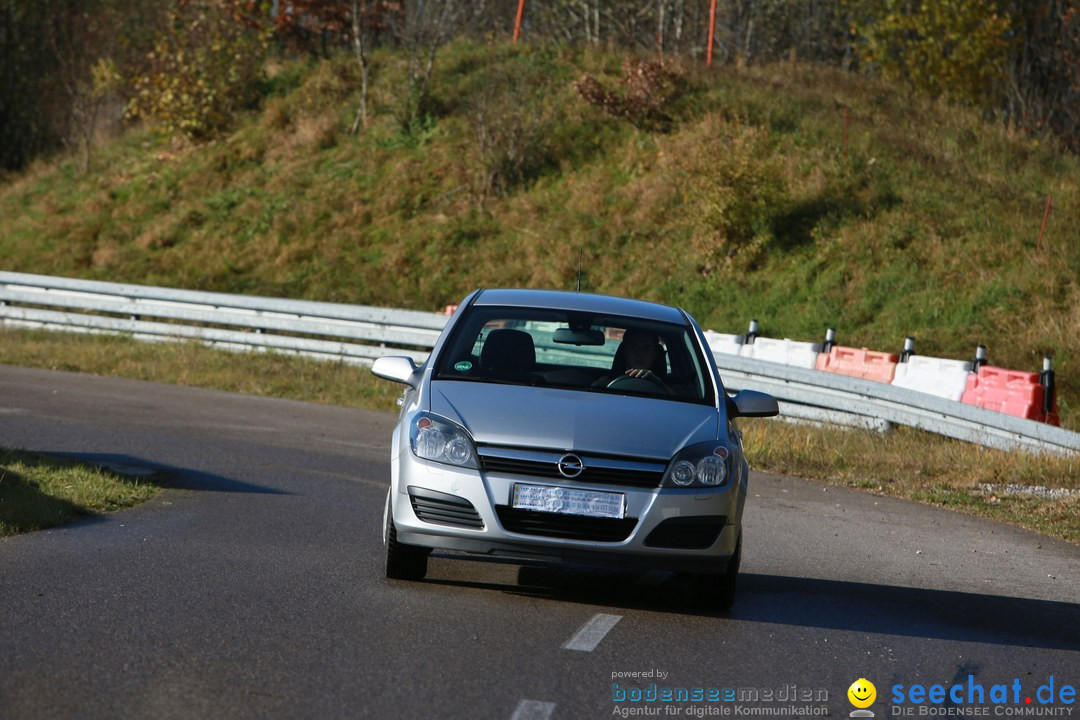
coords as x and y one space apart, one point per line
1012 392
860 363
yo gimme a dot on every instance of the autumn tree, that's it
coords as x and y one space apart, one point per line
25 64
61 63
82 38
955 49
370 19
421 30
314 26
204 67
1043 76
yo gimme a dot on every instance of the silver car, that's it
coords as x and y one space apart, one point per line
569 427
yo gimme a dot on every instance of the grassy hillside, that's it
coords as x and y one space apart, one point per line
737 198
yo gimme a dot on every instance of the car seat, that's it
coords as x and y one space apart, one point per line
508 354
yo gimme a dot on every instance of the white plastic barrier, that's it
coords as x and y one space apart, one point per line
933 376
722 343
330 331
783 352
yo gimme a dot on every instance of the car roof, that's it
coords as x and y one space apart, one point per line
588 302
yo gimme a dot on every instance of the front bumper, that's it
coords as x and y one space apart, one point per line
463 510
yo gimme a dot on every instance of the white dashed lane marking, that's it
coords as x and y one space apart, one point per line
591 633
585 640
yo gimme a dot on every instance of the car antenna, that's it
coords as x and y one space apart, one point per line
581 253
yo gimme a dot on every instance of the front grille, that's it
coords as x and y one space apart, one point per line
565 527
687 533
443 509
608 471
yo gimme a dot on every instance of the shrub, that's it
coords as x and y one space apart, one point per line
648 89
205 66
735 189
512 120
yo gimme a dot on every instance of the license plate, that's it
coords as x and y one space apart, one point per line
568 501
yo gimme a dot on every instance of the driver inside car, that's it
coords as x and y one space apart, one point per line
643 354
640 355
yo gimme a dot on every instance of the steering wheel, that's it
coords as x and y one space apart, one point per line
648 383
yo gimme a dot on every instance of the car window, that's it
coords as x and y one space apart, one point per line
575 351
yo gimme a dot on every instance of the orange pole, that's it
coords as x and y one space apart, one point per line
1046 216
517 22
712 32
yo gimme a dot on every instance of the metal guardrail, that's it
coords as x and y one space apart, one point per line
330 331
878 401
358 334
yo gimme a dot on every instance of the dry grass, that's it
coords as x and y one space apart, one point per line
928 468
905 463
191 364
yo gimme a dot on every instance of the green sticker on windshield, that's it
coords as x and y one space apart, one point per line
463 366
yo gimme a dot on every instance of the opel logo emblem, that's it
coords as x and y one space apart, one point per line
570 466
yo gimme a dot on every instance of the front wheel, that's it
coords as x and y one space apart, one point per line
718 591
403 562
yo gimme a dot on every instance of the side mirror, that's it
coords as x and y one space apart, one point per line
398 368
751 403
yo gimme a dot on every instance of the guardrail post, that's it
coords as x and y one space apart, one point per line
1046 379
751 333
909 349
830 340
980 358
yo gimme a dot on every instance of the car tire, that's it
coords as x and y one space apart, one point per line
718 591
403 562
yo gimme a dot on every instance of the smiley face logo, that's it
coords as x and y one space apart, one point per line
862 693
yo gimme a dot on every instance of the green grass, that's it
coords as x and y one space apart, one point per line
745 202
746 205
904 462
38 491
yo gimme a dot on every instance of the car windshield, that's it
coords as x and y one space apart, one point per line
576 351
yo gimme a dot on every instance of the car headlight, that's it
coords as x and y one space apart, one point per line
439 440
701 465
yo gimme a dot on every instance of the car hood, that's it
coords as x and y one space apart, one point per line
572 420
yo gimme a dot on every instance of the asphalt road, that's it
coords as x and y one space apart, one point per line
252 587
